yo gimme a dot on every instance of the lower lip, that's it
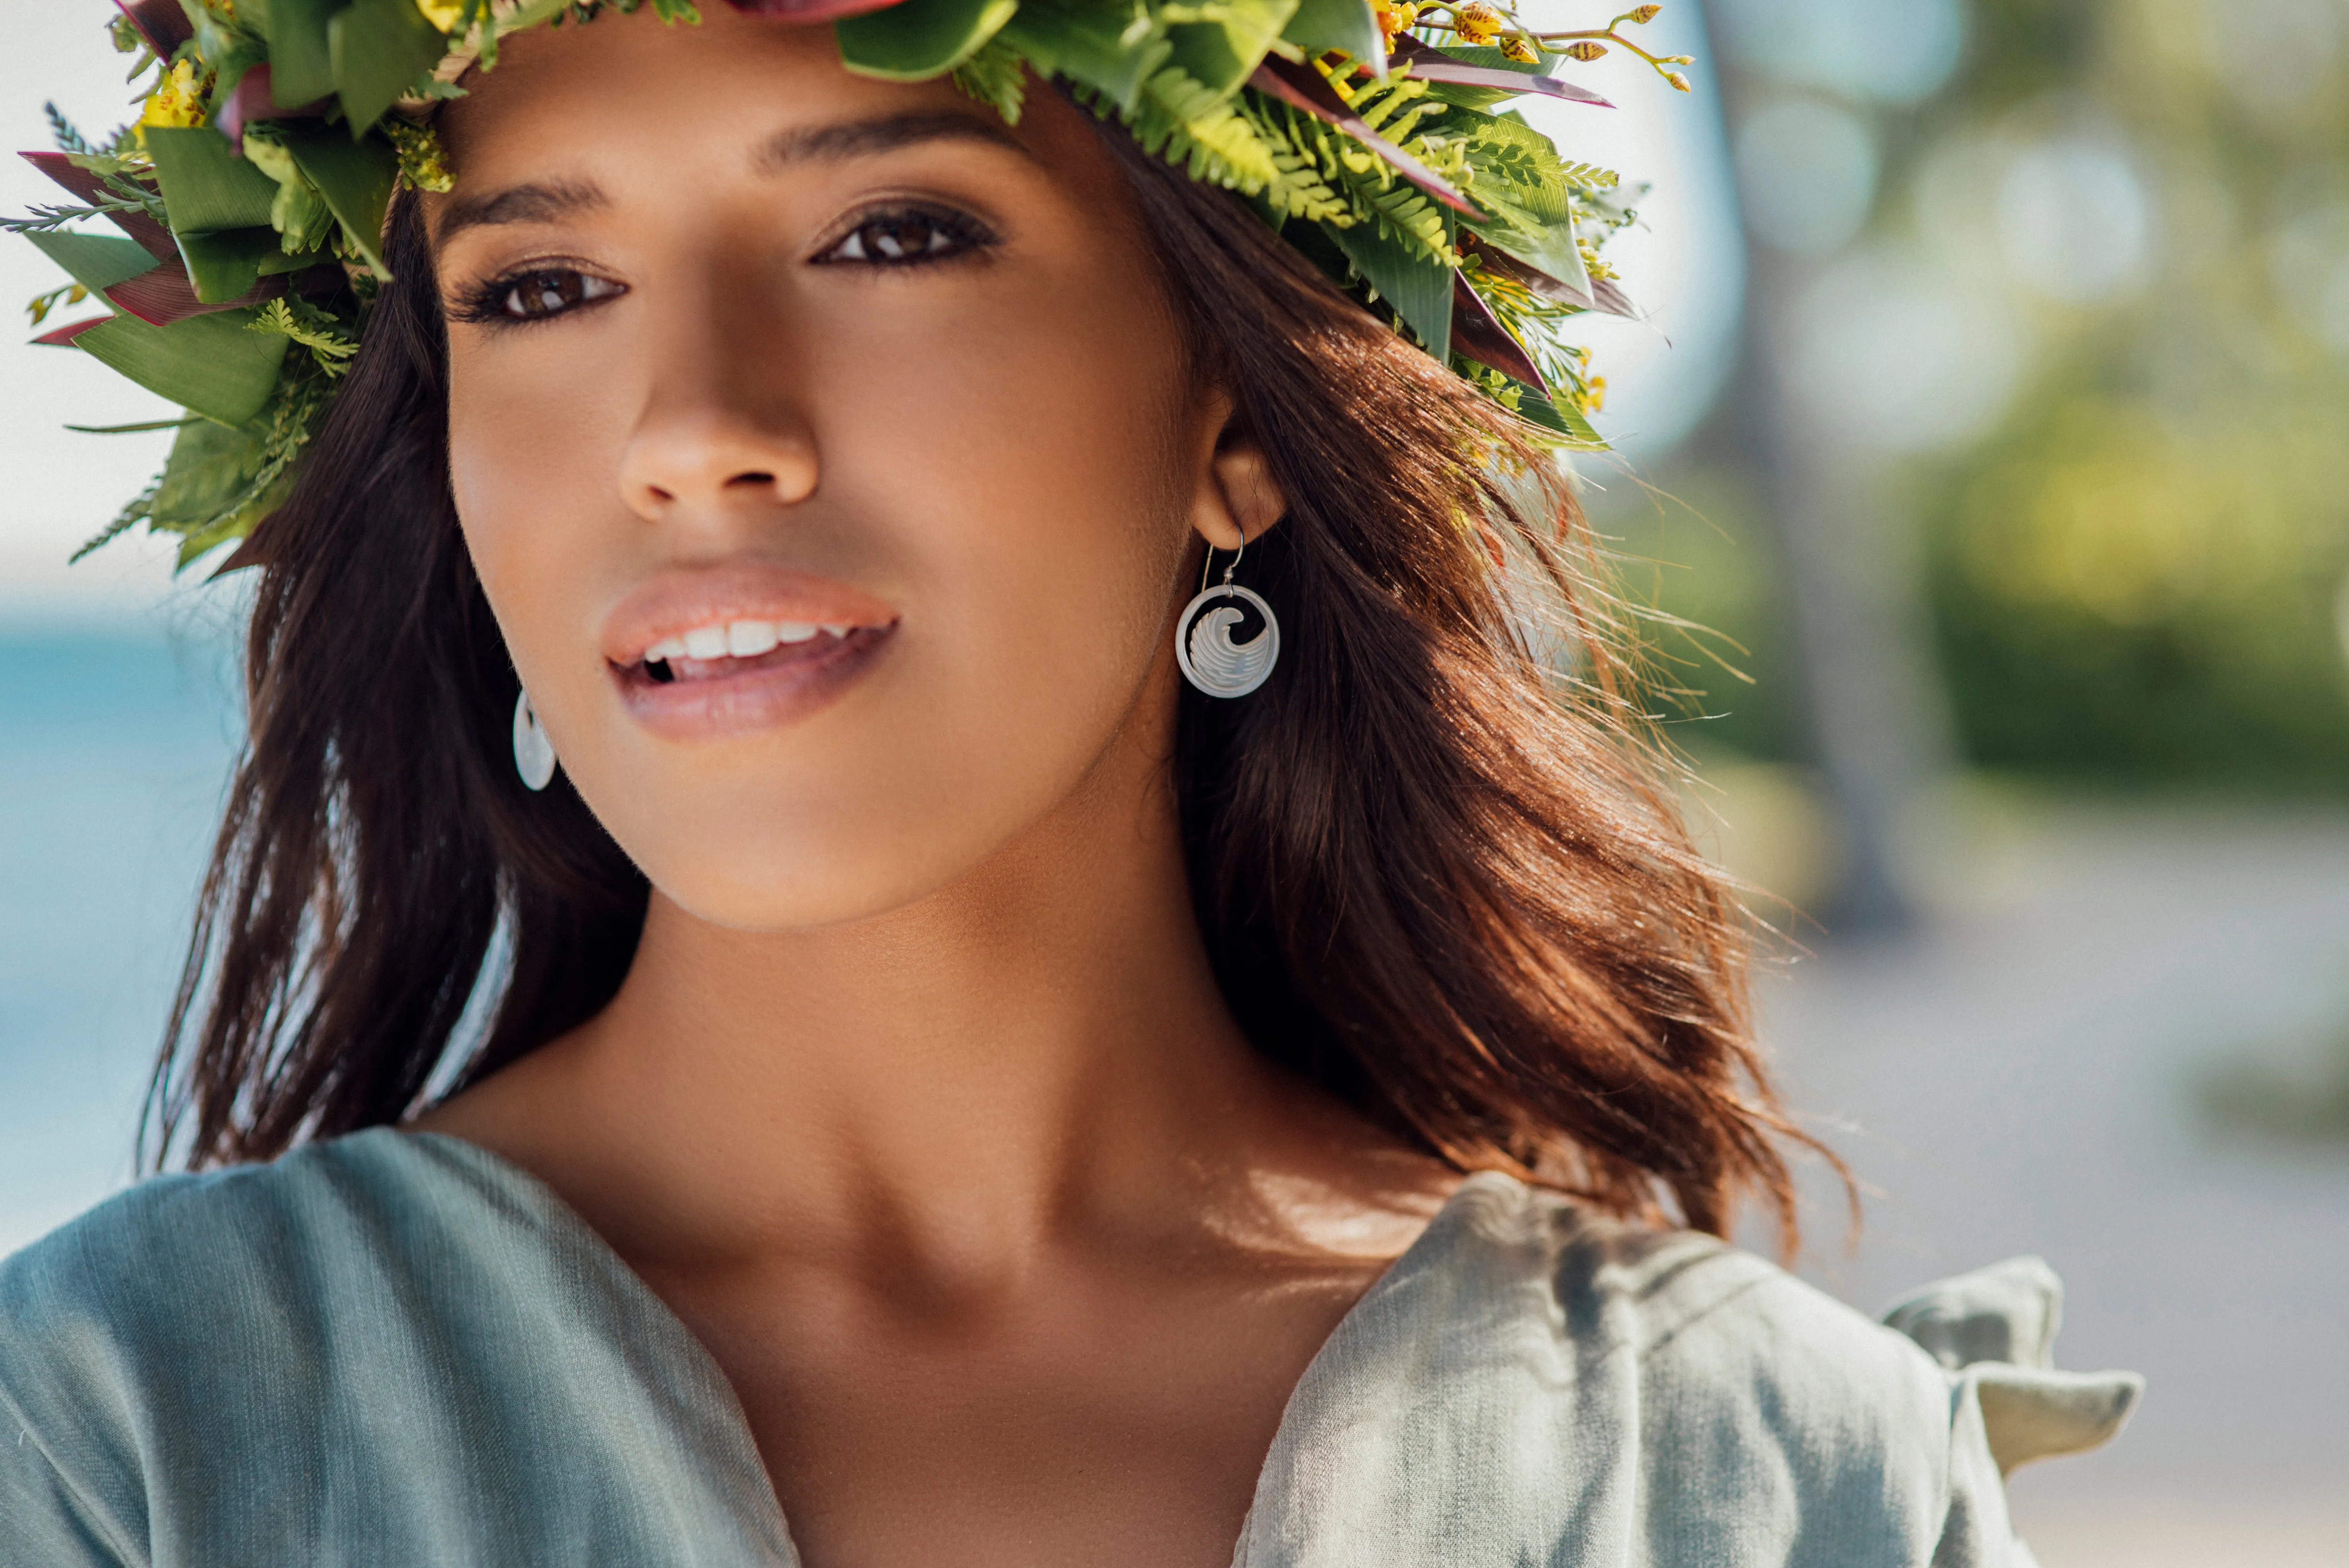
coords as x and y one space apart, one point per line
806 679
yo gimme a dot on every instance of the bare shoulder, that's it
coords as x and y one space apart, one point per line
1333 1182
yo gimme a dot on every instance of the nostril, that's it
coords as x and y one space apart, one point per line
756 480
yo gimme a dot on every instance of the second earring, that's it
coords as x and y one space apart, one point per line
1211 660
534 752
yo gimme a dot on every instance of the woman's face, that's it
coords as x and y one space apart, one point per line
826 449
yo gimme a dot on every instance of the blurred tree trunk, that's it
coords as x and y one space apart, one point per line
1875 721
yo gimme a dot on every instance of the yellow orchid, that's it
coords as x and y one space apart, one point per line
177 100
1476 24
442 14
1394 18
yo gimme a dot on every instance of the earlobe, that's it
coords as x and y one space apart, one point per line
1243 498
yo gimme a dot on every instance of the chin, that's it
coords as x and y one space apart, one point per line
806 873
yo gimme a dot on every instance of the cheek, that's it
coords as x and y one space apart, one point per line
532 466
535 437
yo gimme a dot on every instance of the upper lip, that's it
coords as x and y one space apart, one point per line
677 599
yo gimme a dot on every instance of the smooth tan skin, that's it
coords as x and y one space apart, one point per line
918 1105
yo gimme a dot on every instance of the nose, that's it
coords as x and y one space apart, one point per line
716 437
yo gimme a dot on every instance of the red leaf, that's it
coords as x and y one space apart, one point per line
251 101
1478 332
163 26
165 295
810 10
89 188
246 554
1430 63
62 335
1309 90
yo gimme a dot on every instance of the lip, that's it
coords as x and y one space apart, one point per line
785 685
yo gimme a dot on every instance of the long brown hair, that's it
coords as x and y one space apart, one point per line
1435 857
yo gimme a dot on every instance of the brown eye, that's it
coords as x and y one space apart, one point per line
914 234
536 296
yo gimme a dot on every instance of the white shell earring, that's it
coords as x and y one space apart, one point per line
534 752
1202 642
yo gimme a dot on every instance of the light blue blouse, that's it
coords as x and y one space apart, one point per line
397 1349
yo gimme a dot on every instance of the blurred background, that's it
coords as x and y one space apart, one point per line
1991 419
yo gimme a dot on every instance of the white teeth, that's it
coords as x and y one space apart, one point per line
736 639
749 639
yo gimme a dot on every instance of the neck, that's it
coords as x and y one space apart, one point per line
1037 1049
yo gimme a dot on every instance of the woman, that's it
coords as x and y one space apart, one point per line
942 1080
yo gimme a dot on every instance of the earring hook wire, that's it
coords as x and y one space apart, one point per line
1208 565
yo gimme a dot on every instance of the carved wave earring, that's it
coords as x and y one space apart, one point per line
534 752
1202 642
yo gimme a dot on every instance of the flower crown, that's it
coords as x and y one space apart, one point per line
254 187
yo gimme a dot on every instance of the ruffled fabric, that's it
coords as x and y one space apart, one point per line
1996 1328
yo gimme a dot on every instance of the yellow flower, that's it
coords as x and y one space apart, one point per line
1587 50
176 100
1520 49
1646 13
1476 23
1394 18
1598 384
442 14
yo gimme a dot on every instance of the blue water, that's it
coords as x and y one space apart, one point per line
114 751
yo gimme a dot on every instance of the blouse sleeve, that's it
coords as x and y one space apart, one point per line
1782 1430
1993 1334
71 1485
42 1519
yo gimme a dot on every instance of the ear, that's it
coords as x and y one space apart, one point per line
1236 498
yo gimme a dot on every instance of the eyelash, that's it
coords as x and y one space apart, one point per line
910 236
882 239
505 301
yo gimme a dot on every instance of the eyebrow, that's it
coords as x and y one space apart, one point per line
865 137
541 203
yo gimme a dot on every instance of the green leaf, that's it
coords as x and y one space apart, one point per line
1415 285
918 39
208 364
223 265
206 184
301 62
300 260
380 49
208 466
143 425
96 262
356 178
1564 418
1219 53
1088 43
1347 25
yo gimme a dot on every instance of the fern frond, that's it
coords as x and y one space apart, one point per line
997 77
135 513
316 330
